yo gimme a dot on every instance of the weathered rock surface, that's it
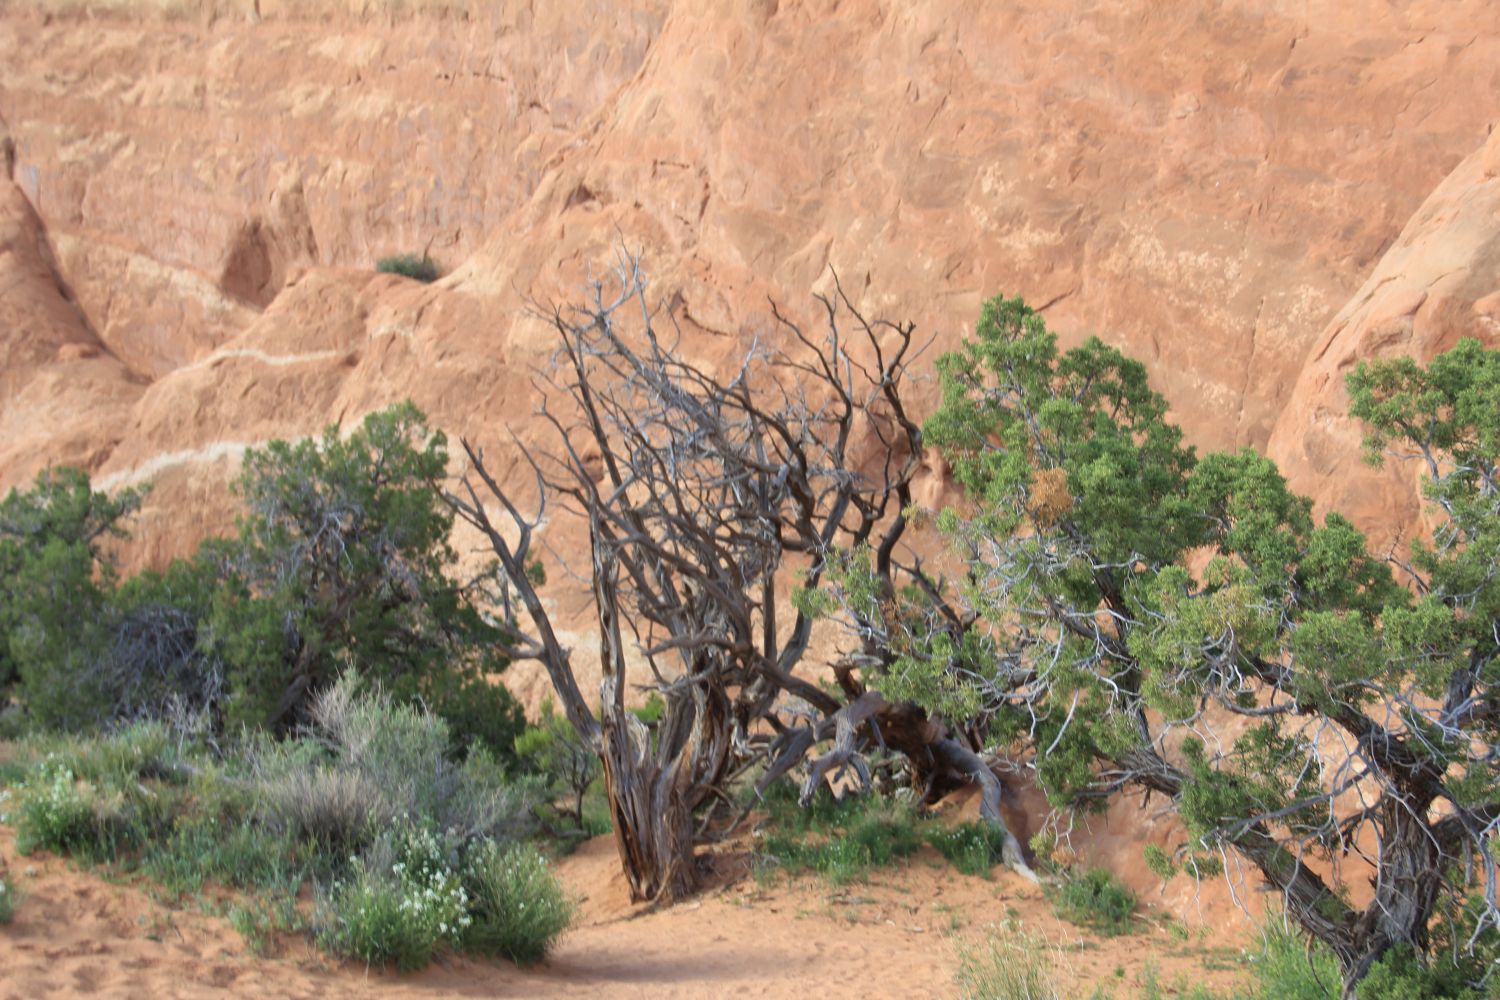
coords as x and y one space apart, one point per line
63 397
1203 184
185 168
1439 282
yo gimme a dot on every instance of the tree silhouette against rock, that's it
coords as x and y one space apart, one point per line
707 499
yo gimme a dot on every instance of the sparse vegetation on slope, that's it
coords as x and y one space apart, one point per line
368 804
409 265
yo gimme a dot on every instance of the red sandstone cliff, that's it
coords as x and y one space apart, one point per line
198 190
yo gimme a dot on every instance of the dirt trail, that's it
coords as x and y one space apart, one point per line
81 933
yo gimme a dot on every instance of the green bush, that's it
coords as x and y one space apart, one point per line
55 585
1402 975
409 265
367 762
885 832
519 907
972 848
1096 899
343 558
10 898
1285 967
338 809
401 913
62 815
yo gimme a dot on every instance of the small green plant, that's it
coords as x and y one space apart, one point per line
842 841
1286 967
972 848
258 920
409 265
552 750
519 908
253 928
10 898
398 915
62 814
1095 899
52 814
1009 965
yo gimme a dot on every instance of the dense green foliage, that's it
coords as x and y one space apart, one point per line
342 561
343 558
55 588
409 265
1123 585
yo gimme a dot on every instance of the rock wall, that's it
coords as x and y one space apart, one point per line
208 185
1439 281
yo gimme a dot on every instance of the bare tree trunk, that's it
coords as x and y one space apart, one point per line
949 752
1410 875
696 491
653 819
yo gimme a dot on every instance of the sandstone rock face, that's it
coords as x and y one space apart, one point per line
1439 282
185 168
63 397
1203 184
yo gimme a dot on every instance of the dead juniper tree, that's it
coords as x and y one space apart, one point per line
706 497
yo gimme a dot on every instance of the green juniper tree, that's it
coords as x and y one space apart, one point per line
55 585
343 559
342 562
1128 599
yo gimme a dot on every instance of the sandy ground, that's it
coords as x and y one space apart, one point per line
85 933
